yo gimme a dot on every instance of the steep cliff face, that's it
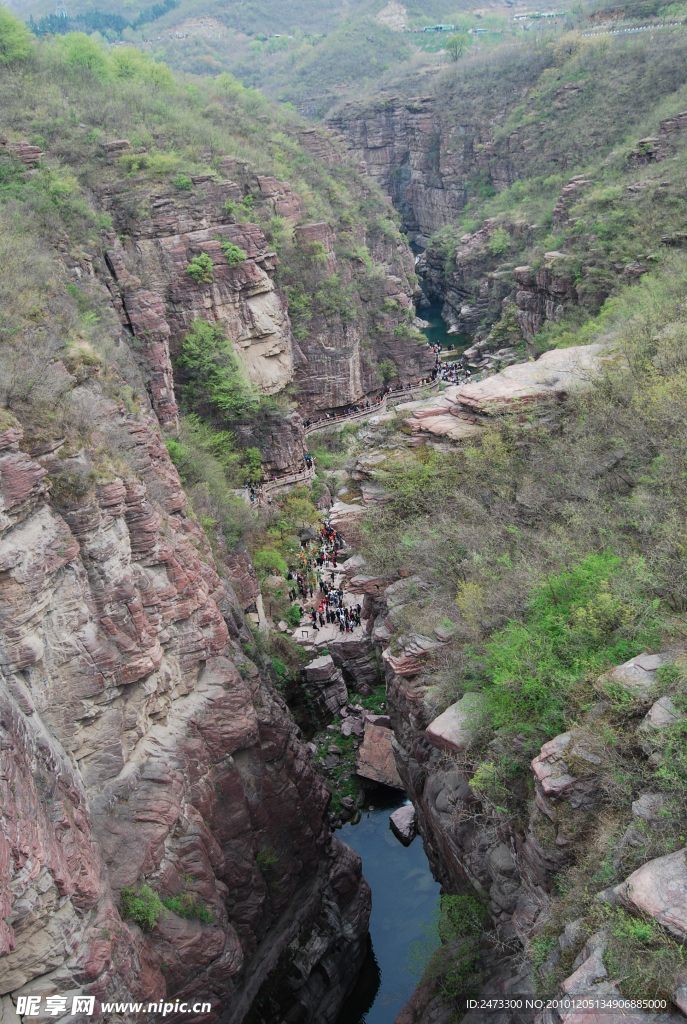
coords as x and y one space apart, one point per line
360 317
424 157
160 300
359 285
403 147
140 743
485 169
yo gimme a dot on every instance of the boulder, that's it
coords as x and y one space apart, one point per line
458 412
551 770
375 759
355 655
589 968
648 806
415 650
659 890
456 728
555 780
660 716
324 678
403 824
636 676
352 726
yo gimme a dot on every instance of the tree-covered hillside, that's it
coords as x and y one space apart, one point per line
303 53
225 220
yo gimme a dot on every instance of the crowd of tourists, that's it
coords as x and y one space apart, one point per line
351 410
314 580
451 372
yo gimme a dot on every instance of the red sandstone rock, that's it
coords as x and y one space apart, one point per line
375 759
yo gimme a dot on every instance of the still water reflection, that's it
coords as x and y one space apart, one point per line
405 901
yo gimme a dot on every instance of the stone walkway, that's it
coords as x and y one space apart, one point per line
316 639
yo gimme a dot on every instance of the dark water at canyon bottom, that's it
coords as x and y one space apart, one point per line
405 902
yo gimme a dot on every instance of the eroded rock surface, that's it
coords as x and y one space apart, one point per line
461 410
141 745
375 760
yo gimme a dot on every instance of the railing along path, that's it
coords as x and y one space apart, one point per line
392 398
268 487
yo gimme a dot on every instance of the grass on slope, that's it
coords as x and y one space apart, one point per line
553 549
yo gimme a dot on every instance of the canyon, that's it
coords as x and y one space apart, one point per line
174 768
147 755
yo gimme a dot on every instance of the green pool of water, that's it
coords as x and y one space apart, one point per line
437 334
405 903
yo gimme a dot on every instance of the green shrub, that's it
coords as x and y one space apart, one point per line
499 242
580 622
642 957
539 949
177 451
388 370
455 965
201 268
142 905
190 906
212 378
183 182
234 253
293 616
15 39
300 310
490 781
251 464
241 209
266 859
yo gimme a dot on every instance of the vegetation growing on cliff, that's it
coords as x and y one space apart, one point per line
555 548
586 181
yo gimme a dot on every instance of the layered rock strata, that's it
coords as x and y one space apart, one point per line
141 746
333 363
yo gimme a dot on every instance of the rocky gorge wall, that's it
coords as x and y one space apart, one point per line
140 744
359 306
498 166
431 160
426 157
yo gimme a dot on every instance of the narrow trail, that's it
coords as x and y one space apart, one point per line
316 639
387 401
263 493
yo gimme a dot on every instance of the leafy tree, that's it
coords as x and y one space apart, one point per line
15 39
84 54
234 253
142 905
268 560
456 45
129 62
201 268
214 382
